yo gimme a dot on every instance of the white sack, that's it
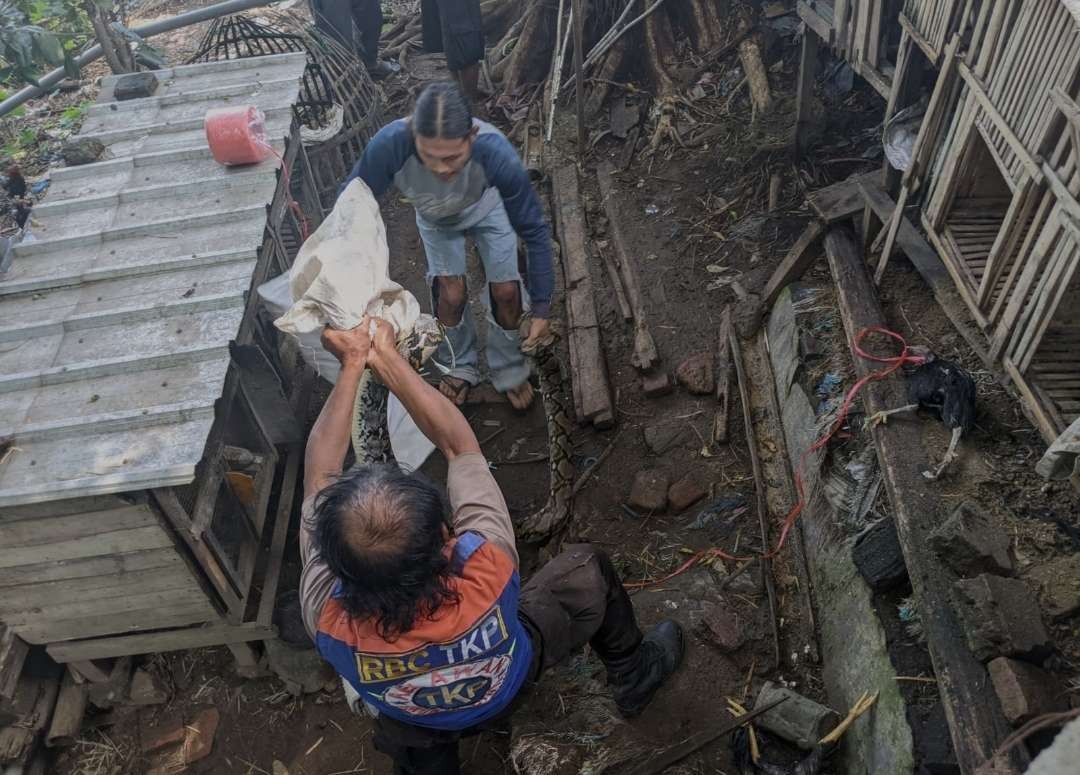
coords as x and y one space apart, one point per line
339 276
341 271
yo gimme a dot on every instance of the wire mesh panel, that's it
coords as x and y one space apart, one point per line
340 107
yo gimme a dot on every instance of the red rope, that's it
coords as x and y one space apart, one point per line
893 363
293 205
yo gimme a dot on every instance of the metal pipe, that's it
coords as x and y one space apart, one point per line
156 28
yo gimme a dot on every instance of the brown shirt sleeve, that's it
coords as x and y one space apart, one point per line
477 503
316 580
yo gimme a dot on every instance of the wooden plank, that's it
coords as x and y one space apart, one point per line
48 531
1033 407
927 49
876 10
113 564
154 618
111 542
976 723
895 221
208 562
176 593
1025 157
796 261
156 642
723 378
645 354
42 598
616 284
804 111
282 518
840 200
13 653
816 20
1069 109
590 371
67 716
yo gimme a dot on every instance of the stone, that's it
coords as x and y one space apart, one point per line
1025 691
1000 617
649 491
135 86
696 374
1058 582
661 437
879 558
199 740
146 689
82 150
685 493
722 628
106 694
971 544
798 719
657 385
300 667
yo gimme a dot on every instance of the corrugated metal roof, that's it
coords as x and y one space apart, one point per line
115 321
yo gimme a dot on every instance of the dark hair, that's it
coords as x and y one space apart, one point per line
380 531
442 111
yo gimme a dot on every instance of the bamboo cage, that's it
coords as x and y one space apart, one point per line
336 90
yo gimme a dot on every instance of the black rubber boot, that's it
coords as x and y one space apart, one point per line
635 680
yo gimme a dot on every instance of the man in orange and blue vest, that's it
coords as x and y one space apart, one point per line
423 613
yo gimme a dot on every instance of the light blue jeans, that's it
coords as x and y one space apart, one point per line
497 242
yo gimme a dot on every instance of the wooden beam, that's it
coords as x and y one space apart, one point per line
972 709
930 267
1023 155
798 259
154 642
808 61
723 378
839 201
590 368
13 652
645 355
920 41
815 18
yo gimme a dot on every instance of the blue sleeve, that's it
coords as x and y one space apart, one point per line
507 174
384 155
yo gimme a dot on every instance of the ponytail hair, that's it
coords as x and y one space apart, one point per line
442 112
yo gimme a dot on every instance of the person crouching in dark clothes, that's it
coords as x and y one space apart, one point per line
456 27
426 620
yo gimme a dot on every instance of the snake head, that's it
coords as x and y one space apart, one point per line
420 343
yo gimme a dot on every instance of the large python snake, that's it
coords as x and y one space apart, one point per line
371 433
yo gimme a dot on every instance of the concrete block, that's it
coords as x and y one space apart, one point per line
135 86
657 385
1000 617
798 720
1058 582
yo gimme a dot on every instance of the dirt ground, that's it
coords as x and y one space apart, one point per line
699 221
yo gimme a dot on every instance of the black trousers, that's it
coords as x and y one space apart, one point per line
453 26
575 599
336 18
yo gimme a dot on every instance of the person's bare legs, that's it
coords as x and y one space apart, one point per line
451 298
507 311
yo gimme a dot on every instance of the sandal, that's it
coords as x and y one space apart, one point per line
454 388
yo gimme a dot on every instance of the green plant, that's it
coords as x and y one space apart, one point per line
26 45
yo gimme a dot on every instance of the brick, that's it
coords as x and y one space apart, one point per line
722 627
199 740
696 374
657 385
1058 582
971 544
1025 691
649 491
685 493
169 732
1000 617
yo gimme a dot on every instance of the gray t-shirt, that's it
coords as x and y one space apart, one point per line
476 504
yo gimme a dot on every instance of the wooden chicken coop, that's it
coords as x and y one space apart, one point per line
993 170
151 440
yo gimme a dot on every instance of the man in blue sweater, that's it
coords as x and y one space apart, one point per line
465 179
